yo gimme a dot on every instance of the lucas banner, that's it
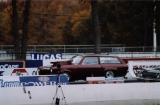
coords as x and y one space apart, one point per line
37 56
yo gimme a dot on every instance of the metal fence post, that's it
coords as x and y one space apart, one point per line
64 49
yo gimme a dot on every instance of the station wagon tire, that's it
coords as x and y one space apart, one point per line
109 74
67 75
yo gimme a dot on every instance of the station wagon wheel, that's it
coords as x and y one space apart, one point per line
109 74
67 75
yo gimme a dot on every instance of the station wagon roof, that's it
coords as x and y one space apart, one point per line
97 55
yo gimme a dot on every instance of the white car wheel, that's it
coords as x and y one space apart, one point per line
158 76
67 75
109 74
139 74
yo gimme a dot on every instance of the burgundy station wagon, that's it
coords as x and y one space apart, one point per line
82 66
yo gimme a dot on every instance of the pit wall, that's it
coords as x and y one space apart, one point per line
84 94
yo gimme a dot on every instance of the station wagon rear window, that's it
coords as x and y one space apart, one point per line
109 60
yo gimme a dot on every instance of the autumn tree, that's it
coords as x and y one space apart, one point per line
78 28
66 22
95 22
82 27
5 24
15 29
41 25
105 17
46 23
157 17
68 38
3 5
132 23
25 30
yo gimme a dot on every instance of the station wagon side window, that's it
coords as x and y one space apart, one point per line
109 60
90 60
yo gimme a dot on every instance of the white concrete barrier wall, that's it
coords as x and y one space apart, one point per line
85 94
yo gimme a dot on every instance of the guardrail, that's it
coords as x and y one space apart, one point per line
81 48
7 51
